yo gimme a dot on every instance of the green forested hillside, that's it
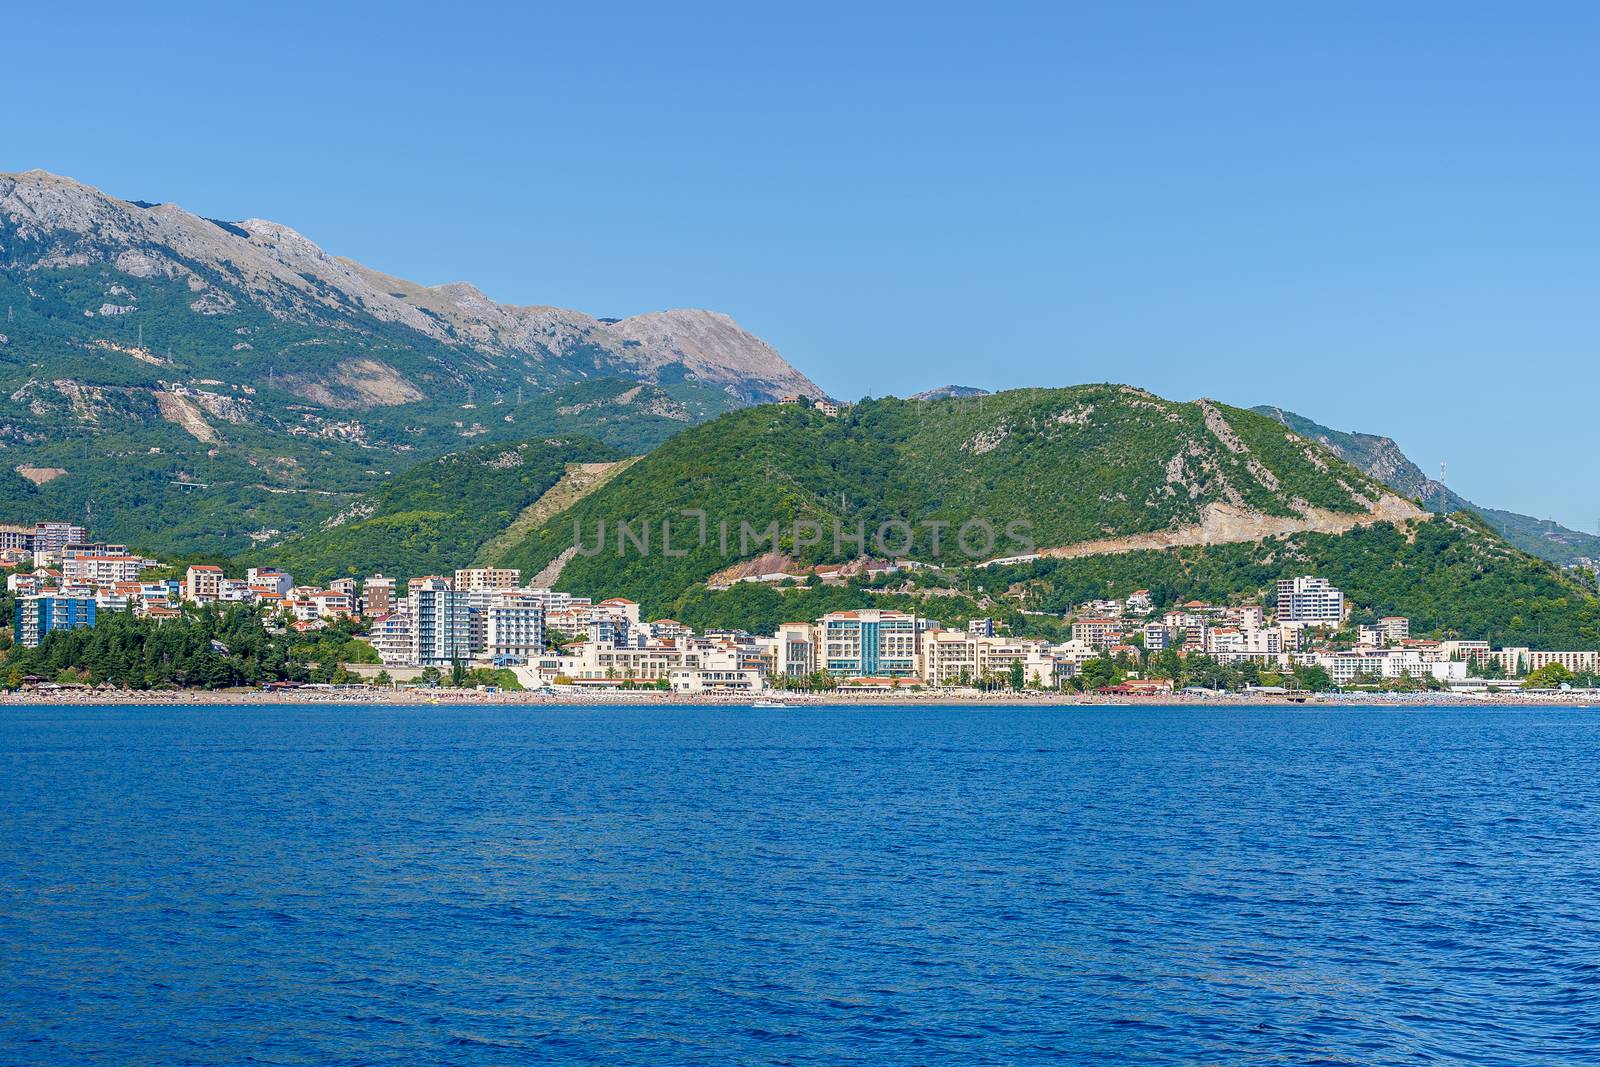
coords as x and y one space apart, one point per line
1069 465
1077 464
143 480
14 487
434 517
952 599
1451 577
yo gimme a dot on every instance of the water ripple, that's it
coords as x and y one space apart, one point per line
698 886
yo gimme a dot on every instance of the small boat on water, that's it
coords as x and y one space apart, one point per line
769 703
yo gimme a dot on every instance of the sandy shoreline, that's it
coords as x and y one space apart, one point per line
646 698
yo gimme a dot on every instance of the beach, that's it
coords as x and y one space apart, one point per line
356 695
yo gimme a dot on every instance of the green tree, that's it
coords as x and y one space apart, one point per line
211 648
1166 664
1017 675
1312 677
1550 676
1098 672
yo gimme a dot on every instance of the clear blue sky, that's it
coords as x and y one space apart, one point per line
1385 216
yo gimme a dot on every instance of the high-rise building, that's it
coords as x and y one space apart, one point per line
1310 599
391 637
82 569
16 538
1099 632
870 643
49 538
441 623
38 616
797 650
514 628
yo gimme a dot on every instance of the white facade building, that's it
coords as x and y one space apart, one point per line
1310 599
514 628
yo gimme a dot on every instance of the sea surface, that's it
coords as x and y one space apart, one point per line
658 886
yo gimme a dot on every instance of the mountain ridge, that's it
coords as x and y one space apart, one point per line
1382 458
1116 482
191 379
1081 466
67 223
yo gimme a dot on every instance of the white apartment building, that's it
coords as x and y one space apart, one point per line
666 630
278 581
101 570
796 650
1576 662
1100 632
514 628
1070 655
955 657
303 609
869 643
705 680
1229 643
1390 663
1310 599
1516 661
1250 616
233 591
595 661
332 603
391 636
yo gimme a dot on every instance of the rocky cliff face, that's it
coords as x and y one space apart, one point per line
1378 456
1384 460
59 234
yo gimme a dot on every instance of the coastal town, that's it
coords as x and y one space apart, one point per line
419 628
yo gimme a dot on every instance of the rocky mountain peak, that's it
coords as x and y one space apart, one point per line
51 223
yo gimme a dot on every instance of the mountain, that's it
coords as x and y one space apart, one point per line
1382 458
1087 470
1120 490
946 392
438 515
238 381
357 338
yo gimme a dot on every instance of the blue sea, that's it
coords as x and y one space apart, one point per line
657 886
